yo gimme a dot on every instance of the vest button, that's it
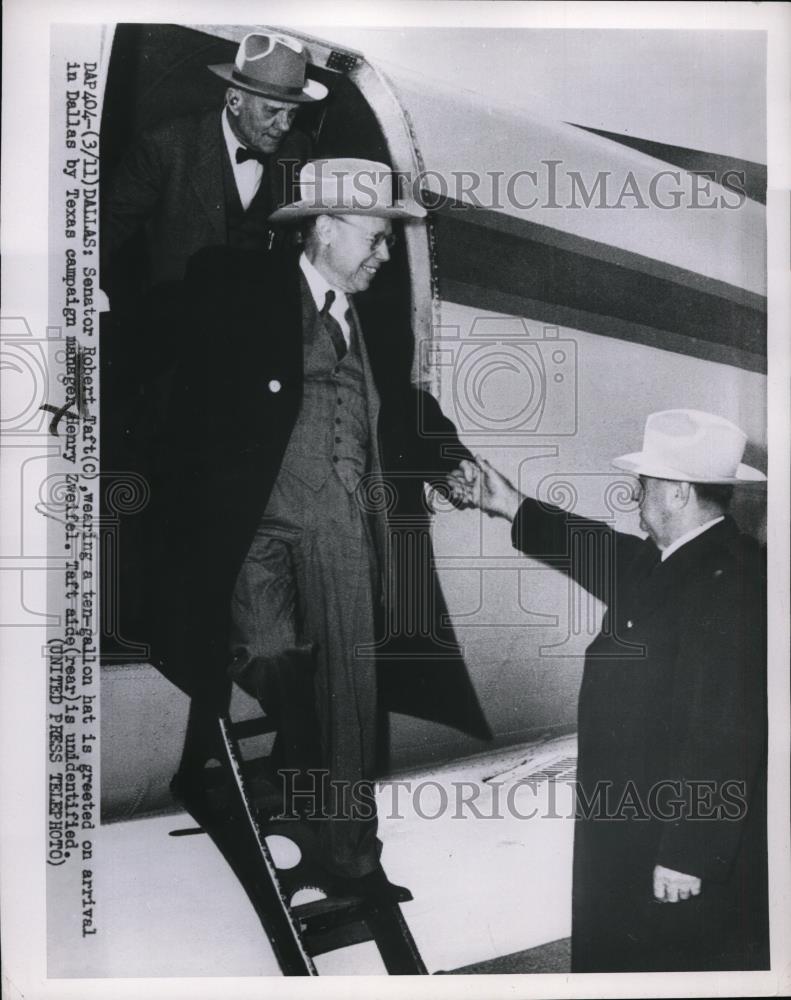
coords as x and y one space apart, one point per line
337 420
340 401
335 458
274 386
337 440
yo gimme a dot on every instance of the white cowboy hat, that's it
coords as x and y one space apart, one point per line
272 66
347 187
691 446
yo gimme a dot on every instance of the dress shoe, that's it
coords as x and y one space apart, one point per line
373 887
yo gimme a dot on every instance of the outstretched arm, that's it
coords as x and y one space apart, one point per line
479 484
575 545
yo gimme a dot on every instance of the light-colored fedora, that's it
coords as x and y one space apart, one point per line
272 66
691 446
347 187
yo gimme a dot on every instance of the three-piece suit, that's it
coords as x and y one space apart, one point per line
275 451
672 744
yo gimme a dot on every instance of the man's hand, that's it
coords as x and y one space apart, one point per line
671 886
498 497
464 485
479 484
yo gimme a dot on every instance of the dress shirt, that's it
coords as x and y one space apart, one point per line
689 536
248 174
319 286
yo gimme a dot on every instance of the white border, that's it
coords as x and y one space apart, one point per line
24 292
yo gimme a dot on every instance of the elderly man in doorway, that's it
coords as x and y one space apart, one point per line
288 424
670 853
214 178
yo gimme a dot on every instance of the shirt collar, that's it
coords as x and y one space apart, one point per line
319 286
690 535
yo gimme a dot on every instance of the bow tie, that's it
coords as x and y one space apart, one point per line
243 154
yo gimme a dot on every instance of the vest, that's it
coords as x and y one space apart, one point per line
331 435
248 230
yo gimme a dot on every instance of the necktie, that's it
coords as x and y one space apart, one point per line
333 326
243 154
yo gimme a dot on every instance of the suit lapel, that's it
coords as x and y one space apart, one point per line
206 173
310 312
374 404
375 462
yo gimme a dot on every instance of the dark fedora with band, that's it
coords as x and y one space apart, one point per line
272 66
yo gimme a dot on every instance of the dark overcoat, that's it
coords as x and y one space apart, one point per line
672 744
234 398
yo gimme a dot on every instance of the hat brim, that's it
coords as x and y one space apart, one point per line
644 465
312 91
305 209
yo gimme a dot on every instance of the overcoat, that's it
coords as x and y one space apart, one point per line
234 398
672 744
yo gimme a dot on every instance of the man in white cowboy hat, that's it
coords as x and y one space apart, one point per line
214 178
289 421
672 712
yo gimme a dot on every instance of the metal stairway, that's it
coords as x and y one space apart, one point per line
233 801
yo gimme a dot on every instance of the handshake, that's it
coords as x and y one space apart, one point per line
478 484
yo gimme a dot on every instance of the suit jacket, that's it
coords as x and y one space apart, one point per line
672 741
235 397
171 182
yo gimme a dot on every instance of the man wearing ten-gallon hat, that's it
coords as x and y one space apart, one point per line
294 445
670 853
214 178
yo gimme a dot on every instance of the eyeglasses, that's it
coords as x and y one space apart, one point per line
388 239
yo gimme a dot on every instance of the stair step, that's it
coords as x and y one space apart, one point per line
234 801
246 728
330 906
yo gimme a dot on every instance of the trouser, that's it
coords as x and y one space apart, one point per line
303 604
